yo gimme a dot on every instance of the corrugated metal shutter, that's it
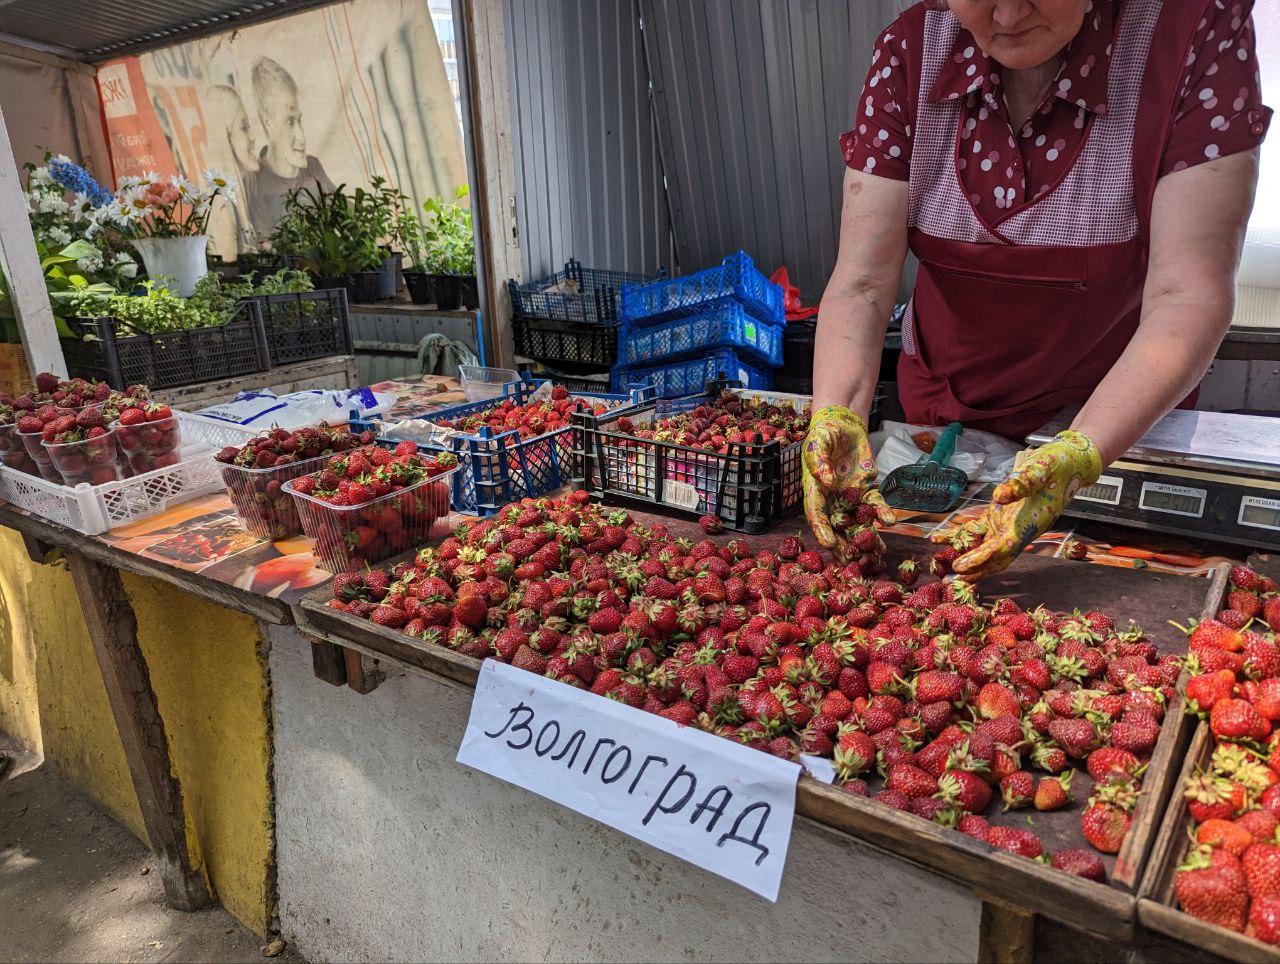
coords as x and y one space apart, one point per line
587 168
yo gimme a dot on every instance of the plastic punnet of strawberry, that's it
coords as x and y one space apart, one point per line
371 503
529 420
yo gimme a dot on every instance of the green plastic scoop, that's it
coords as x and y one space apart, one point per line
930 485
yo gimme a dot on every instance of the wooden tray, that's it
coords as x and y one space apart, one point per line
1104 910
1158 904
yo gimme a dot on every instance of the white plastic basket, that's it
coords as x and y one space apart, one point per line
92 509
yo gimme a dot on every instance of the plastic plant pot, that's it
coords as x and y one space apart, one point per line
93 460
265 509
13 453
350 537
150 445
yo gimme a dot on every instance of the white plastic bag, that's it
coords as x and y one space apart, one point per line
982 456
266 409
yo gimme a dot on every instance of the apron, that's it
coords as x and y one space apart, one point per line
1011 321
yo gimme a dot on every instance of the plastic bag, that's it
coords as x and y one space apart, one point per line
791 297
266 409
982 456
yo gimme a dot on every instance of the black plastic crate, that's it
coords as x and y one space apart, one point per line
121 357
579 382
751 488
555 340
595 300
305 325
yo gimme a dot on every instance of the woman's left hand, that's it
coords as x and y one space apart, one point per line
1024 505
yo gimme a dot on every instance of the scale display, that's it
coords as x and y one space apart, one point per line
1106 491
1260 513
1173 499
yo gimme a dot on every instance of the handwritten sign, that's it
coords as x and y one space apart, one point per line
707 800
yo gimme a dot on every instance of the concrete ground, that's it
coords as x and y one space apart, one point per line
77 886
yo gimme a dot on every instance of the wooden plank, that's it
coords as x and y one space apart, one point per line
363 675
113 628
254 604
1207 937
21 266
1005 934
488 101
327 662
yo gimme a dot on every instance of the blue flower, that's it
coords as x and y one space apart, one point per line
75 178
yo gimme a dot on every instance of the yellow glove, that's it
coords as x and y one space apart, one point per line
839 475
1024 505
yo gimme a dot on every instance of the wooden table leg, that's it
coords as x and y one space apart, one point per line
363 674
328 663
113 627
1006 935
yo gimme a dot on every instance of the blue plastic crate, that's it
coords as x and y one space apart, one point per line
735 278
594 302
727 326
500 468
689 376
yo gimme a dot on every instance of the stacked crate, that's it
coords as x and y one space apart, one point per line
725 322
568 322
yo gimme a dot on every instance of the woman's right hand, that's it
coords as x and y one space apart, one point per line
838 467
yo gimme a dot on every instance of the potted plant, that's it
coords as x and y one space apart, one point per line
452 254
165 220
417 240
334 238
380 205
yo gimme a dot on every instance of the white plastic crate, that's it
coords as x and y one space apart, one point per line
92 509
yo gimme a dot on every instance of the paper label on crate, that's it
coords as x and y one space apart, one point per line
683 495
702 798
818 767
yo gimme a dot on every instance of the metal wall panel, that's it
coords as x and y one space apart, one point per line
587 168
749 97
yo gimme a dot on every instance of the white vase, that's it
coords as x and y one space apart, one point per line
179 262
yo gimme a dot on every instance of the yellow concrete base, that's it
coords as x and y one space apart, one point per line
210 680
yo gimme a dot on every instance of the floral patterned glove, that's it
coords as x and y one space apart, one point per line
1024 505
839 476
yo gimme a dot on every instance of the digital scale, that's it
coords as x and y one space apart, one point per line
1204 474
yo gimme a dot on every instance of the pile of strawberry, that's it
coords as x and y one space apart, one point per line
1231 877
13 454
730 418
66 393
279 447
530 419
953 702
381 504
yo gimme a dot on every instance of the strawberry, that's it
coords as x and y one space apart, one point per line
1105 826
974 826
1081 863
1103 761
1261 864
1238 719
1016 840
711 525
1260 824
910 780
1207 689
1264 920
1076 737
1017 790
1242 577
995 699
1053 793
966 790
470 610
1213 893
1136 732
390 617
1225 834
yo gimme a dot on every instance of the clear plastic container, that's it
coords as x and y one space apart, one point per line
13 453
265 509
480 384
350 537
150 445
33 442
93 460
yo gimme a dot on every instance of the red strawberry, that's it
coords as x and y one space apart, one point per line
1017 790
911 780
711 525
1246 603
1082 863
1076 737
1264 920
1261 863
1054 793
1136 732
1242 577
1106 759
974 826
1207 689
1213 893
966 790
995 699
1016 840
1238 719
1225 834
